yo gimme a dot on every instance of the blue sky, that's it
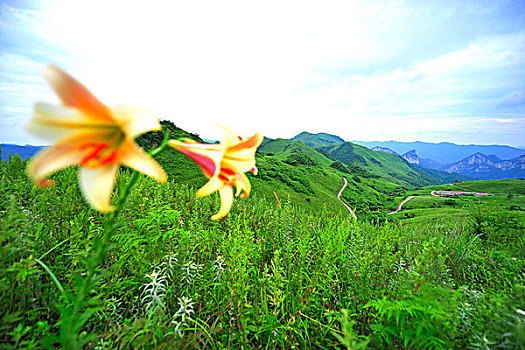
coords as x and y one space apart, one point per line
363 70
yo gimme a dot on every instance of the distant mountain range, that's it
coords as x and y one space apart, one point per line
478 166
484 167
469 160
23 151
445 152
420 158
411 157
388 165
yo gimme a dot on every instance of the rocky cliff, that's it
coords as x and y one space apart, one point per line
485 167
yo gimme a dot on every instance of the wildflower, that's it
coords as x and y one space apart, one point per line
277 199
224 164
96 137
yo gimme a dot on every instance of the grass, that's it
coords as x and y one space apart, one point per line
304 276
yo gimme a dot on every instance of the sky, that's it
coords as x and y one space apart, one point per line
363 70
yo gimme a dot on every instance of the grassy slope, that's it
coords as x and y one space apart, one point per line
315 184
324 182
424 207
298 174
388 166
395 169
260 278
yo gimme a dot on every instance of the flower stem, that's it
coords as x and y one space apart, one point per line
72 316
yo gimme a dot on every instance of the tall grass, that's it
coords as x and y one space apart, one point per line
263 277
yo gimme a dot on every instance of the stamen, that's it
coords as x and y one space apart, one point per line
86 145
224 178
110 158
94 155
228 171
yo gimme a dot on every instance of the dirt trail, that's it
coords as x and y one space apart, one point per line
401 205
346 205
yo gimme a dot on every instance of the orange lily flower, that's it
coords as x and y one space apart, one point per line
96 137
224 164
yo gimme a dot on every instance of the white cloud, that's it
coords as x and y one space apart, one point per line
357 67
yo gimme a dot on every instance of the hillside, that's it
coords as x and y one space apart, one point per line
507 201
298 174
388 166
304 175
162 275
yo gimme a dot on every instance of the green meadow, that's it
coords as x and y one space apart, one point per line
442 273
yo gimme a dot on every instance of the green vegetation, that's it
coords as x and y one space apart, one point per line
450 275
317 140
497 208
388 166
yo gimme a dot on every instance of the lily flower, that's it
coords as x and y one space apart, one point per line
224 164
87 133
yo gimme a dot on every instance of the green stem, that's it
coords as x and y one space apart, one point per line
73 323
53 277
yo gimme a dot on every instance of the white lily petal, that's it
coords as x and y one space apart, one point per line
53 123
134 157
135 120
74 94
52 159
229 138
238 166
242 183
207 158
249 144
97 185
226 194
210 187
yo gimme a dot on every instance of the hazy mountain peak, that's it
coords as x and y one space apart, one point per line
384 149
411 157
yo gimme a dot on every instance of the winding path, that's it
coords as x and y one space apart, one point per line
346 205
401 205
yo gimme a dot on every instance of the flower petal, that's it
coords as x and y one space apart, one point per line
74 94
251 143
211 186
207 157
135 120
52 159
242 183
97 185
134 157
53 123
237 165
226 194
228 137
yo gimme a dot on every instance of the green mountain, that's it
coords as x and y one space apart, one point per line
305 176
298 174
311 177
388 166
317 140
